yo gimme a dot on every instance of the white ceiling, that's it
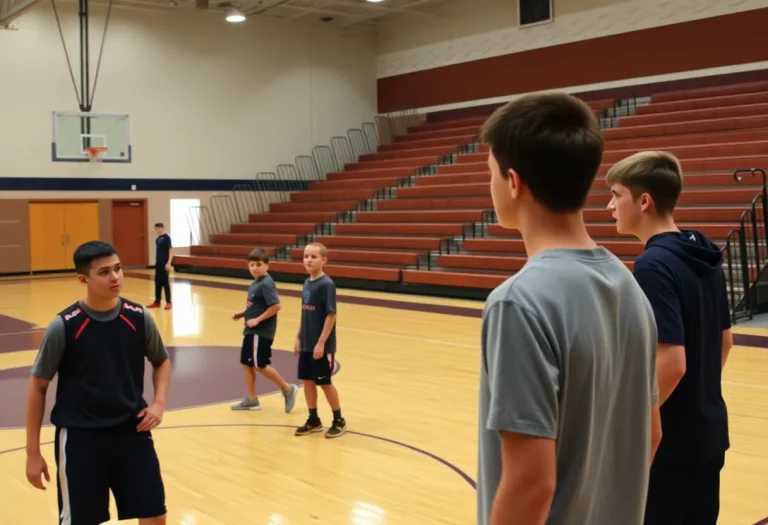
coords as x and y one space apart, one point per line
350 13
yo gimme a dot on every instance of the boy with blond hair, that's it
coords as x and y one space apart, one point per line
681 273
316 342
260 316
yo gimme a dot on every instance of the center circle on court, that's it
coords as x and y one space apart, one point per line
201 375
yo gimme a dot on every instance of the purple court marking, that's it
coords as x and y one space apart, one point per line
445 462
218 367
14 325
18 334
351 299
462 311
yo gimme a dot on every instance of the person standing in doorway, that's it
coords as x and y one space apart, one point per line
163 259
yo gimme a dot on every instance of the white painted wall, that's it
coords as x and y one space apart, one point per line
467 30
207 99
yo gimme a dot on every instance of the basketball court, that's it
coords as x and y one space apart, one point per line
408 380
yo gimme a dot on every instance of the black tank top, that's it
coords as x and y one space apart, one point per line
101 374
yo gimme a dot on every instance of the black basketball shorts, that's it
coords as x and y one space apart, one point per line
90 463
317 370
256 350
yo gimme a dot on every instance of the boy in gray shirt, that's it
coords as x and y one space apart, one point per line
569 416
260 316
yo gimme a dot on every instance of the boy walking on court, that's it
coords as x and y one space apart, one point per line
316 342
260 316
681 273
163 259
569 415
103 439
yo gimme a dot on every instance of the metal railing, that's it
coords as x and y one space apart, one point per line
200 223
624 107
735 255
746 252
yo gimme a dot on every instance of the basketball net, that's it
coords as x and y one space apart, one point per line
96 153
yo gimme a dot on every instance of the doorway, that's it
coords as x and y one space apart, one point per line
129 231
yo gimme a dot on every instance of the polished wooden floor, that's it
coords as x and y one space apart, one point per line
408 382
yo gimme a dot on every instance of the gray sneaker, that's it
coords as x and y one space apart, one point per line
247 404
290 398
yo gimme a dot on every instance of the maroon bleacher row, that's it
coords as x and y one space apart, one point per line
713 131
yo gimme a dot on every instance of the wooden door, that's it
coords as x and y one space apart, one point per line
81 223
129 232
47 237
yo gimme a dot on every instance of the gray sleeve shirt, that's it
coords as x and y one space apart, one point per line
569 354
54 339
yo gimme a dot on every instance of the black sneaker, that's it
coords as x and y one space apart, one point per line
310 427
338 427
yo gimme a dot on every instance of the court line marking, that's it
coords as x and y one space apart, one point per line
400 336
444 462
375 332
339 326
299 383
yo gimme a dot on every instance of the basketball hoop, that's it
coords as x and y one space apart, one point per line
95 153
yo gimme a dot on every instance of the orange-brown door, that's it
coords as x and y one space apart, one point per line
81 222
47 236
129 232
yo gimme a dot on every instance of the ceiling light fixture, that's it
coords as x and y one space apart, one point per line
235 17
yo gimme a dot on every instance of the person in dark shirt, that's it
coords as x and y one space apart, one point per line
681 273
316 342
98 347
163 260
260 317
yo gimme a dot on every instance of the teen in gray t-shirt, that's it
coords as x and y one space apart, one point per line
568 353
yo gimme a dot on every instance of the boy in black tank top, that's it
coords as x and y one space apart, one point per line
97 347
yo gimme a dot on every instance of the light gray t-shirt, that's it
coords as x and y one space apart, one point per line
569 353
54 339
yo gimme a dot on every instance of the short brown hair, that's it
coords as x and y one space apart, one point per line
320 246
260 255
553 142
655 172
159 225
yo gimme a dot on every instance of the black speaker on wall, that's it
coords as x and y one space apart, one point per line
534 12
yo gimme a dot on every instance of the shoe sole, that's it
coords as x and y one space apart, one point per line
331 436
241 409
312 431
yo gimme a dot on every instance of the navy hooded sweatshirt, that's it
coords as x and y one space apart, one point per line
682 275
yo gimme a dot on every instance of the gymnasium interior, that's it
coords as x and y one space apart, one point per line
354 123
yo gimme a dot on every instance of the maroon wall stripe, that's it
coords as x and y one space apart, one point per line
712 42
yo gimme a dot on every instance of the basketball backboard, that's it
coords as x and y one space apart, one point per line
73 132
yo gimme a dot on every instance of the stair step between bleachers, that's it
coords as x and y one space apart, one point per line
720 101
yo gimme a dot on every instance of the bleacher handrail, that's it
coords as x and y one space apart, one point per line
728 252
737 175
246 200
200 224
223 211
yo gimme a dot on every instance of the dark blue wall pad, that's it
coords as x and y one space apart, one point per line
90 184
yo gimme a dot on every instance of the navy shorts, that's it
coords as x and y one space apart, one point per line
684 495
90 463
317 370
256 350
